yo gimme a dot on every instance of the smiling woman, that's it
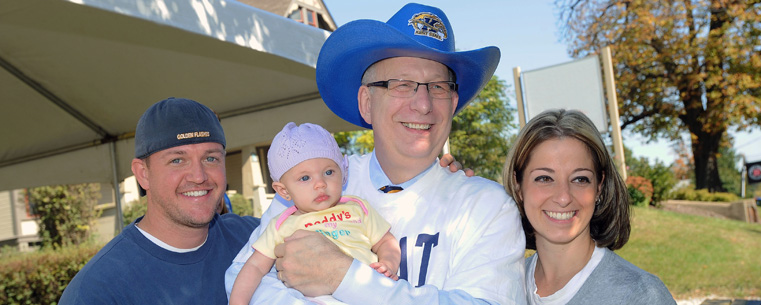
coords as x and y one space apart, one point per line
575 212
559 188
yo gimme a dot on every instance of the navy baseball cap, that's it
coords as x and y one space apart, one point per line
175 122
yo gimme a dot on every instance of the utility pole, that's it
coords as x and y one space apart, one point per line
742 176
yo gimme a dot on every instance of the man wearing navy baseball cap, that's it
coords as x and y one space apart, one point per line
177 252
461 238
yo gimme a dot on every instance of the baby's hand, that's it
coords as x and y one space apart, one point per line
385 270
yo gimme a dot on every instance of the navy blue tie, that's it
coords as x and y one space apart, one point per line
391 189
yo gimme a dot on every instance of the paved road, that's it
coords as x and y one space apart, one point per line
730 302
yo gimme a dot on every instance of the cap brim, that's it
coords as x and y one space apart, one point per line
351 49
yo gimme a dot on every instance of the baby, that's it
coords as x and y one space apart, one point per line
308 168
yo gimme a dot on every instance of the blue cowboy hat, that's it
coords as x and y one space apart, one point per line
414 31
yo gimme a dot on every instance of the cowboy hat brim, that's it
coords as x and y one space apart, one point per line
352 48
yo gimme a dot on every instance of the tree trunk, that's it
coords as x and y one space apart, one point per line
705 147
708 122
705 137
705 150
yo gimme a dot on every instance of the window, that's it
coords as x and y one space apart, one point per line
31 209
305 16
311 17
296 15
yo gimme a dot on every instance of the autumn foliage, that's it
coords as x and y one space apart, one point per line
681 67
640 190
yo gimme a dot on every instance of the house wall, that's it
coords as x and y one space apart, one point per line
7 225
17 228
104 228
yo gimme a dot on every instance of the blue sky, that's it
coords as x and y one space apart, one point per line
527 34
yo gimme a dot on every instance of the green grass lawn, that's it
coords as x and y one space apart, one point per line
696 256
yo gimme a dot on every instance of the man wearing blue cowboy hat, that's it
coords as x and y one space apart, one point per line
461 238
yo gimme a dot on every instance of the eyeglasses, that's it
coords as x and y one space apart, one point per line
408 88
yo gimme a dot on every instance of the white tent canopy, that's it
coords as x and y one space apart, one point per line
77 75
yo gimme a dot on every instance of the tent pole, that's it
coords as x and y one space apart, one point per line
743 175
117 194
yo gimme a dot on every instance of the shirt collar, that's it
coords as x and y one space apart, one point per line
379 179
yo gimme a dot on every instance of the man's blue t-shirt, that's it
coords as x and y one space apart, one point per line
131 269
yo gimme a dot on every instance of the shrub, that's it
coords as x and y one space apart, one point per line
134 209
40 277
241 206
662 179
66 212
661 176
724 197
640 190
689 193
637 198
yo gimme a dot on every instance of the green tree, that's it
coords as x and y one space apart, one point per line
357 142
730 174
691 66
479 136
66 212
134 209
659 174
242 206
